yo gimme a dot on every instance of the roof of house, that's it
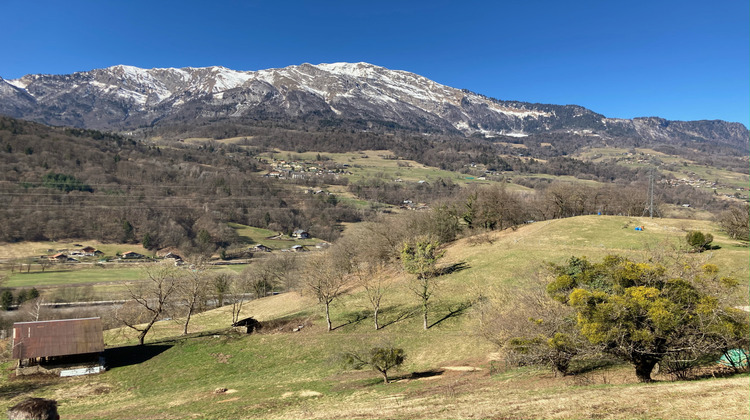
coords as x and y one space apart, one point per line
59 255
57 338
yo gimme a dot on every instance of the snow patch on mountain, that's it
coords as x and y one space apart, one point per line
19 83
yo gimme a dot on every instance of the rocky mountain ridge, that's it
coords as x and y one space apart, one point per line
125 97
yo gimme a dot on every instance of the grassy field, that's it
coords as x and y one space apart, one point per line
252 235
682 168
450 372
380 164
106 277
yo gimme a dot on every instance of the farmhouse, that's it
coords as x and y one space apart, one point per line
90 251
67 347
300 234
261 248
131 255
59 257
172 256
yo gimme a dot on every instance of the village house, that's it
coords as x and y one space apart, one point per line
261 248
131 255
300 234
67 347
59 257
172 256
90 251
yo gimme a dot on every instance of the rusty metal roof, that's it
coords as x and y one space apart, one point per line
57 338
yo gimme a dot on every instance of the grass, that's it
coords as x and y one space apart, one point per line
280 374
23 250
253 235
684 168
77 275
378 164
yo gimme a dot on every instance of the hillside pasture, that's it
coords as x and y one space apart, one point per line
450 371
249 235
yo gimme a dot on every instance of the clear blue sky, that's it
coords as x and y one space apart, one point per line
681 60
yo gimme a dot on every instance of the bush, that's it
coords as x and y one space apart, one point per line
644 313
381 359
699 241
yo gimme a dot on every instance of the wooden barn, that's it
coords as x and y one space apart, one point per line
67 347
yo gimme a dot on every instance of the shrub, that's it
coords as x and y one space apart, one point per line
699 241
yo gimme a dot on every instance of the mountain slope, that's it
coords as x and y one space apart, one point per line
126 97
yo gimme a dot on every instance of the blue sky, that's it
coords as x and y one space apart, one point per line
681 60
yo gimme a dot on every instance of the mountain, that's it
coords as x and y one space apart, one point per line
126 98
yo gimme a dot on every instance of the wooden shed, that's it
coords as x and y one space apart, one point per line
58 343
251 324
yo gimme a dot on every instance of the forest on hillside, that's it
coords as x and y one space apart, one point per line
61 182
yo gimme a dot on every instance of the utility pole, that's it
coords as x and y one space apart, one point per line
650 204
651 194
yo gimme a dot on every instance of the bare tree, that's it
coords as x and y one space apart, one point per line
374 278
34 308
192 289
44 263
236 292
152 296
272 272
530 327
736 222
326 277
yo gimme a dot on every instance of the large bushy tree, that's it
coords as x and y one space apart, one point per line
644 312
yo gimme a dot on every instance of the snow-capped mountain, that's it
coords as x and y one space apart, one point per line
126 97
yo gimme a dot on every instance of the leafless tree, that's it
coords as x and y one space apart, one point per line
192 288
34 308
236 292
326 277
736 222
269 273
530 327
152 296
374 277
44 263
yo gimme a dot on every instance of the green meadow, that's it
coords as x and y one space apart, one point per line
450 370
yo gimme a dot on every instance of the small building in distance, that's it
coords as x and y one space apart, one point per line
300 234
132 255
59 257
90 251
68 347
261 248
298 248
